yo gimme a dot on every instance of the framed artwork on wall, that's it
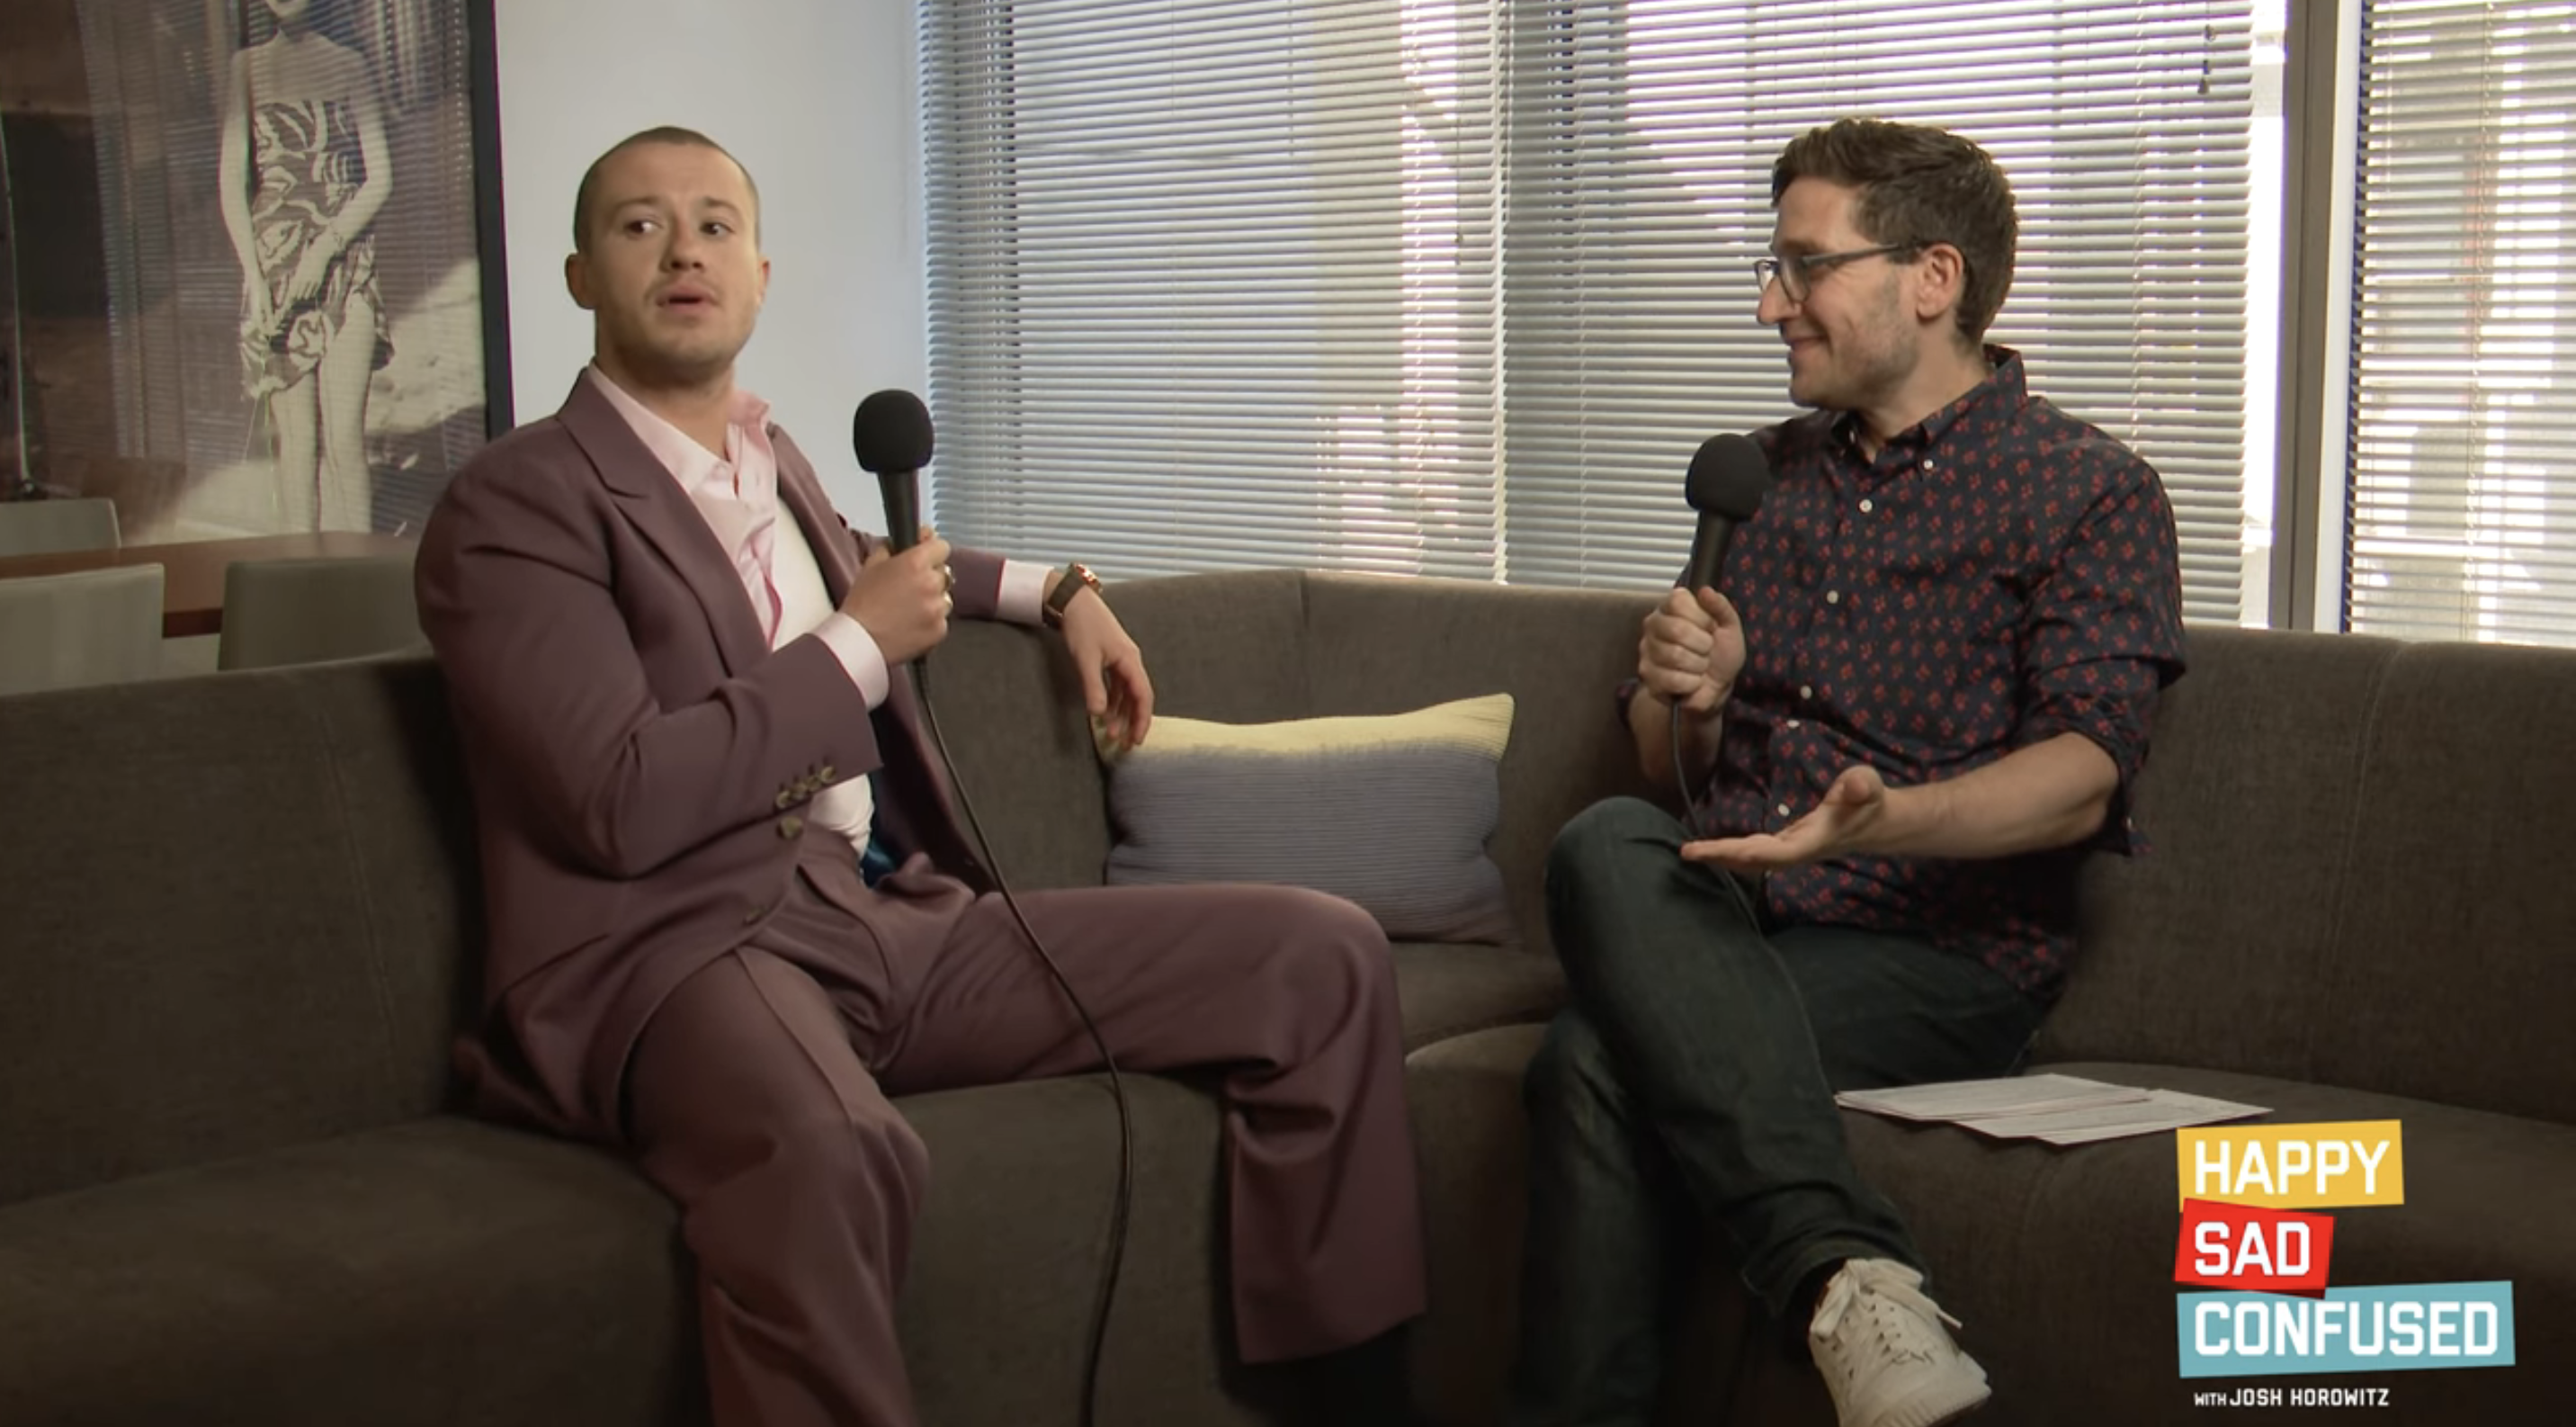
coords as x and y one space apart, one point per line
258 259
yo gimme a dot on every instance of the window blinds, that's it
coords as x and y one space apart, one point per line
2461 457
1640 176
1457 288
1214 284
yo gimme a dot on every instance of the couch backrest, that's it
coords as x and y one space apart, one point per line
1228 647
1269 645
2355 877
1380 645
241 911
235 913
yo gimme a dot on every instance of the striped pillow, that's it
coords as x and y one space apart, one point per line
1391 812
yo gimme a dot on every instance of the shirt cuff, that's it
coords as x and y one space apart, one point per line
1023 592
860 657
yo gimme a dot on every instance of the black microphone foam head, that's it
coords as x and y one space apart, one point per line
891 433
1728 477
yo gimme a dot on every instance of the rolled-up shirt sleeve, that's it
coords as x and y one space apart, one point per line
2105 633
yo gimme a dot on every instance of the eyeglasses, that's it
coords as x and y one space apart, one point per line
1797 275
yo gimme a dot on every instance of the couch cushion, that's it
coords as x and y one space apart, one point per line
996 1315
450 1271
1473 1144
1450 989
1391 811
436 1272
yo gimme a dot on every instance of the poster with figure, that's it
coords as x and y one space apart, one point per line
287 232
305 171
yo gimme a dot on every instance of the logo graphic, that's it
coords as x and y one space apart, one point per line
2266 1250
2294 1166
2241 1189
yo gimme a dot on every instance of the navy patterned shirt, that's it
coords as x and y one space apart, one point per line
2001 574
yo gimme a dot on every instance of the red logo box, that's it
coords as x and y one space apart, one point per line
2253 1249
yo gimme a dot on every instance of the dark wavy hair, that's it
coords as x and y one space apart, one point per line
1918 186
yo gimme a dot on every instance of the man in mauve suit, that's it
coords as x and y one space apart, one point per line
730 912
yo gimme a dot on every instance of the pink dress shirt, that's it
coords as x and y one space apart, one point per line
737 494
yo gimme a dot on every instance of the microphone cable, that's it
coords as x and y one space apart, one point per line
1681 777
1117 1085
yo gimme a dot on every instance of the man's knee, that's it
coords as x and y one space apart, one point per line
1326 960
871 1157
1571 1070
1608 836
1330 940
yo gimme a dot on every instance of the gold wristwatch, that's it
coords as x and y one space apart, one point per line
1076 580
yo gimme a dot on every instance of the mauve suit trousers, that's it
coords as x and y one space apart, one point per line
757 1098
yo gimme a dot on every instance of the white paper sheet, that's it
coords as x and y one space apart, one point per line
2013 1095
2055 1109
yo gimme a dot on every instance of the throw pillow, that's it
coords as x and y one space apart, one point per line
1391 812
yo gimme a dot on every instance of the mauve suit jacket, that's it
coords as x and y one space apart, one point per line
639 756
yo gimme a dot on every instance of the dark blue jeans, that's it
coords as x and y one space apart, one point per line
1687 1093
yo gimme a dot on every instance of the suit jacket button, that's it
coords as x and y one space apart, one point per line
786 799
790 825
826 775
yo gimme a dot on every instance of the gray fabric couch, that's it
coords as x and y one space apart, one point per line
237 933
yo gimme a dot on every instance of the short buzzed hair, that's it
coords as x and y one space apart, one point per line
583 196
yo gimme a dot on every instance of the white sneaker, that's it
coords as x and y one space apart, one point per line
1884 1353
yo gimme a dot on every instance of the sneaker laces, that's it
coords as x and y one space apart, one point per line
1878 1291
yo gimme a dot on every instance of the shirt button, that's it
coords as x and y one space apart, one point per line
1927 463
1866 507
1833 597
1784 810
1806 691
1793 723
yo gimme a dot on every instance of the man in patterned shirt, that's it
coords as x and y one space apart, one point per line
1916 708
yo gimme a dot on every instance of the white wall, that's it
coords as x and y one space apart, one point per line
817 98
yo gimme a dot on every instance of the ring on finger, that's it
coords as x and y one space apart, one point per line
947 578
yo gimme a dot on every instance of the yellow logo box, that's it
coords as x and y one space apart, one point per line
2324 1166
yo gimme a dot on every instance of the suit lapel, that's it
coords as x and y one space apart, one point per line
647 495
916 813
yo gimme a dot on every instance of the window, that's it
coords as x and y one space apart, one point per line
1642 147
2460 461
1458 286
1214 284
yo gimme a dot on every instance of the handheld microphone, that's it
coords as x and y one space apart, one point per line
892 436
1728 478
